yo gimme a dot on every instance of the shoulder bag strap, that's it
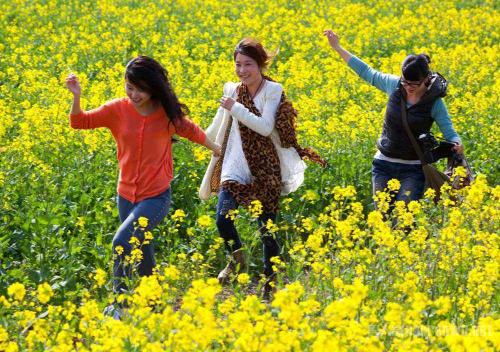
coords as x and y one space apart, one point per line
414 142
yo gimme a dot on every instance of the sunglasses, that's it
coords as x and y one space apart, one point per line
411 83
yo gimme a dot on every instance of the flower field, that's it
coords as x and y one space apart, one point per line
350 277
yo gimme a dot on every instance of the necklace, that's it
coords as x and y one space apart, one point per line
258 88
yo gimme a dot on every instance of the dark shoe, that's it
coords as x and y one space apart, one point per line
236 263
269 288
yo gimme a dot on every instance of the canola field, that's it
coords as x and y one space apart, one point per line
349 280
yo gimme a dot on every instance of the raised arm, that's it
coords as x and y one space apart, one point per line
264 124
383 81
103 116
334 42
74 87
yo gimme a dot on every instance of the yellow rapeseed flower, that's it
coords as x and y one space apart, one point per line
178 215
17 291
44 293
100 277
243 278
255 208
143 221
393 185
204 221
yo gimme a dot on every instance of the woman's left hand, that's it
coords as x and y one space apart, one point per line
214 147
227 102
458 148
217 150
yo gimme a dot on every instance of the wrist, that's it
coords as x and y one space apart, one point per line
208 143
234 108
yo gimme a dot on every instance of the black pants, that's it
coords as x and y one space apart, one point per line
228 232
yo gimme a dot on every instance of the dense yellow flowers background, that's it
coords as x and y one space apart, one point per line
350 280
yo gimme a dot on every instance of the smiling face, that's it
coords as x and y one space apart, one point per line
139 97
247 69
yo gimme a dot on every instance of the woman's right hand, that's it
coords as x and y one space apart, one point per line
73 85
333 39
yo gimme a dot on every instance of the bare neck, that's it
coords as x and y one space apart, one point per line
255 87
414 98
147 109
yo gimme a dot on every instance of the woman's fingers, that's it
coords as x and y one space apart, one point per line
72 84
458 148
329 33
333 38
71 78
217 151
226 102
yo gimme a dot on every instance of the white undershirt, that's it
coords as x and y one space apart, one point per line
380 156
235 166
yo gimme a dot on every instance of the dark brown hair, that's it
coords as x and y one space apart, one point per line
252 48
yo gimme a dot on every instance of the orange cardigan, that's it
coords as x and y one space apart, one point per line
144 145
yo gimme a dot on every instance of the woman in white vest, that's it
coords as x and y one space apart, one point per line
260 158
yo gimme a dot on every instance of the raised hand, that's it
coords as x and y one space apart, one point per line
333 39
73 85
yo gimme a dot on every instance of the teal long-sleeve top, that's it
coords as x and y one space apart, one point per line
389 83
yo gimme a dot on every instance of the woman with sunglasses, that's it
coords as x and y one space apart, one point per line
422 91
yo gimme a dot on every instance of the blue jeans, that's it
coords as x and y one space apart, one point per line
155 209
411 178
227 230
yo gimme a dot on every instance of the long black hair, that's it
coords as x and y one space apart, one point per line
148 75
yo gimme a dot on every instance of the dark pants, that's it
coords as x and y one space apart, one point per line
411 178
154 209
228 232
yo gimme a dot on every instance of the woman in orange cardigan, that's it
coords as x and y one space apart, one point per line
142 125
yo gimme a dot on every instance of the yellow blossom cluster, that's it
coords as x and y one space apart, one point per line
419 277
